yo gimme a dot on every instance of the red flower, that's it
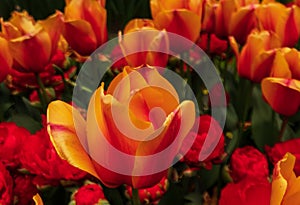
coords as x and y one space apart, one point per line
248 162
246 192
278 151
6 185
153 194
90 194
11 140
208 153
216 45
22 183
39 157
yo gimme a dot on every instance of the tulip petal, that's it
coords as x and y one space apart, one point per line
280 67
244 16
37 200
5 59
182 22
66 128
80 36
9 31
292 57
95 14
39 44
277 90
53 25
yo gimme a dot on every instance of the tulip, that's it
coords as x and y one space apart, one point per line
285 22
285 184
276 91
180 17
256 57
85 25
242 22
32 43
223 15
208 20
142 36
6 59
139 115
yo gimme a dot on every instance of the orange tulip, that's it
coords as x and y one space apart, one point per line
139 115
256 57
85 25
223 14
209 17
32 43
5 59
180 17
285 22
285 184
242 22
235 18
277 91
143 37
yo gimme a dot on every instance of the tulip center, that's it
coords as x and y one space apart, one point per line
157 117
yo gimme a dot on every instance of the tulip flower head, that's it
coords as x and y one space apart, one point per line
27 38
132 131
285 184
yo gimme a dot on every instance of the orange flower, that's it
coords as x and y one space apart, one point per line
242 22
143 36
180 17
85 25
209 17
256 57
285 22
285 184
276 91
235 18
139 116
32 43
5 59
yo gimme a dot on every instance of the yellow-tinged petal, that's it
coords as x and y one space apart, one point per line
37 200
280 66
136 24
292 57
285 185
23 22
279 186
67 132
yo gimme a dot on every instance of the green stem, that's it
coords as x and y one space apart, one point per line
283 128
42 92
135 197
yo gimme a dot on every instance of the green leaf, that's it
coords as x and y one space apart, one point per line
265 128
27 122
